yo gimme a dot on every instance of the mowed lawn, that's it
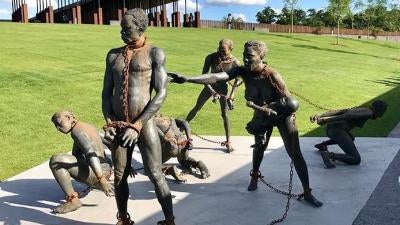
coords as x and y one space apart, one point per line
45 68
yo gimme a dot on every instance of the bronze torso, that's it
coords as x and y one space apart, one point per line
259 88
140 73
220 64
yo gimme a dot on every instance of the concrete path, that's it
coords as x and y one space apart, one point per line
395 133
223 199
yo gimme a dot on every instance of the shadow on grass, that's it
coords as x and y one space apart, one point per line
382 126
372 42
343 51
288 37
392 81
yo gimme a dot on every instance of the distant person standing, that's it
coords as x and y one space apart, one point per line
229 20
191 20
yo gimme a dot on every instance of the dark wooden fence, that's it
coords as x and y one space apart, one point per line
286 28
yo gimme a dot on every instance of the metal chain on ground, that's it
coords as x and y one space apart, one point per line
288 194
280 191
222 143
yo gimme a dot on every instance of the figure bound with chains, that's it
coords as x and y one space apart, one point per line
216 62
268 95
133 72
339 123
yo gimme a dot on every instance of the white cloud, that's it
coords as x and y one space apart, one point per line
277 11
236 2
190 6
240 15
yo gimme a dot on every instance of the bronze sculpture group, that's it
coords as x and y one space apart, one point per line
130 108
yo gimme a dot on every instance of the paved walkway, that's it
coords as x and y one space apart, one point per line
223 199
395 133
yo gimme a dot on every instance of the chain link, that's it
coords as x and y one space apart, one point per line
235 85
222 143
288 194
125 72
310 102
319 106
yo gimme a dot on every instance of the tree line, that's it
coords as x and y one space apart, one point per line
373 15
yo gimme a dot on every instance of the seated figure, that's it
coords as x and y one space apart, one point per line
88 163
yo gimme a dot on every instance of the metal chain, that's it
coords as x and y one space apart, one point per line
280 191
235 85
288 194
222 143
125 72
275 85
319 106
310 102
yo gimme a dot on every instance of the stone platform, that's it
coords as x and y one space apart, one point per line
223 198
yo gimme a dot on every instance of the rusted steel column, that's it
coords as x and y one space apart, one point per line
25 18
120 14
46 16
157 19
95 18
74 18
78 14
51 14
178 19
100 14
164 21
197 19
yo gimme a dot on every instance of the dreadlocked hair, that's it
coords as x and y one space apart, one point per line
258 46
139 18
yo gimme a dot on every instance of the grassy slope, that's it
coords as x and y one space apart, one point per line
44 68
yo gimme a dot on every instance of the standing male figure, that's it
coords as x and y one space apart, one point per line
338 126
88 164
132 73
267 94
219 61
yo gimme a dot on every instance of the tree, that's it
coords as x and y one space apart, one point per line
299 16
291 4
284 16
338 9
267 15
315 18
373 12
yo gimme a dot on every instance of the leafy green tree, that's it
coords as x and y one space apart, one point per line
393 20
291 4
318 18
267 15
338 9
284 17
373 12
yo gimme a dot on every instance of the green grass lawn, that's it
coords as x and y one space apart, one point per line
44 68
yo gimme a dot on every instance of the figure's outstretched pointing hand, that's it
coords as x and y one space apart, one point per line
176 78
